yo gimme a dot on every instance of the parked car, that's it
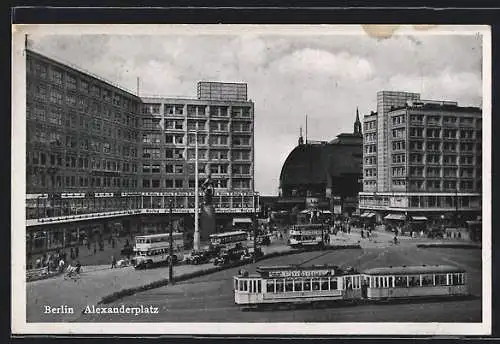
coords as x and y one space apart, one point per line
198 257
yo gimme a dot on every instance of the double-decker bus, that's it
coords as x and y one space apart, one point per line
155 249
307 235
329 284
229 240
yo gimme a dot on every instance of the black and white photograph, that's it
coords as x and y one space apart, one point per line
251 179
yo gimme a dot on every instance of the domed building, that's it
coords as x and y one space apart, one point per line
324 175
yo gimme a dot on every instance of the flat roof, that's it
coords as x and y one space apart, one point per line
157 235
410 270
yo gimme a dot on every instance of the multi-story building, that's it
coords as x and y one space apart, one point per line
100 158
425 161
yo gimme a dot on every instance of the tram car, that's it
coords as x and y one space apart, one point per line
324 285
307 235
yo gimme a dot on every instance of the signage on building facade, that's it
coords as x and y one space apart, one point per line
337 209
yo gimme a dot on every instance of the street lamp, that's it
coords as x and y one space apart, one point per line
196 236
254 230
171 247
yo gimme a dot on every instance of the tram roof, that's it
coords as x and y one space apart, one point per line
409 270
217 235
158 235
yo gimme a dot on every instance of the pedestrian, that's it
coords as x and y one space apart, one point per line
77 251
72 254
362 234
61 265
113 262
95 248
113 243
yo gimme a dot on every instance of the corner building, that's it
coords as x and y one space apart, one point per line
422 160
100 159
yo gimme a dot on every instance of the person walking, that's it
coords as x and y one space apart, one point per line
113 262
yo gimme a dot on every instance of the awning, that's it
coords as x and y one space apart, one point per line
368 215
419 218
364 215
400 217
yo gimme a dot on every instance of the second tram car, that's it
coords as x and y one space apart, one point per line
327 284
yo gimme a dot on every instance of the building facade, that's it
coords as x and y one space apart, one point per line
325 174
425 161
101 159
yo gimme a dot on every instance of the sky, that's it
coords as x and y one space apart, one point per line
288 75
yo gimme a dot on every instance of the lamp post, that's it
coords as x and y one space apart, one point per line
196 236
254 230
171 247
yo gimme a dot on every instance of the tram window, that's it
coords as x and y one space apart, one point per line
315 284
289 285
400 282
440 279
324 285
298 285
259 289
270 286
427 281
245 285
456 279
235 284
307 285
241 286
377 282
279 286
333 284
414 281
461 278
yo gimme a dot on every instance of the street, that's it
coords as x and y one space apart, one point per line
210 298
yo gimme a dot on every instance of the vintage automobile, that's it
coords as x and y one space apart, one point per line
198 257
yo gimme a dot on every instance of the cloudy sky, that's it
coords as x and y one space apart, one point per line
288 76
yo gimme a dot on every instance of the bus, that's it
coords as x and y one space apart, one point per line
229 240
154 249
276 286
307 235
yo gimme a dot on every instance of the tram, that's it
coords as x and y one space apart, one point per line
307 235
324 285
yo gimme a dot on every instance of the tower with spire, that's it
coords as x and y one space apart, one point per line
357 124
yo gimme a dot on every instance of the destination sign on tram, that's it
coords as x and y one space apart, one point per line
300 273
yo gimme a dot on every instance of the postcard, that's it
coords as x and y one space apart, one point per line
251 179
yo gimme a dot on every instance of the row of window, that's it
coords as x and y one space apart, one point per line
179 153
81 162
57 181
71 82
370 125
72 120
446 119
180 168
196 110
83 103
434 159
370 137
